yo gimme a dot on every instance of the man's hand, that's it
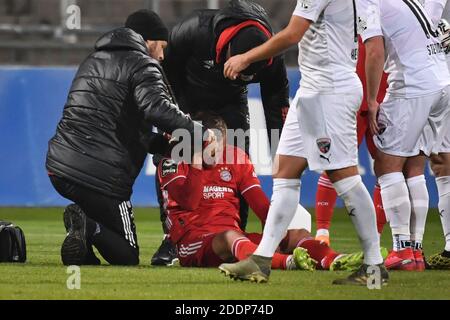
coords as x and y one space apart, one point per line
234 66
373 107
207 153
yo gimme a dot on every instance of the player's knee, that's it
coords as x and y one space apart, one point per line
222 245
414 166
292 239
385 163
288 167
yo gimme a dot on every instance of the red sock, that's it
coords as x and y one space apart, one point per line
325 201
243 247
320 252
381 215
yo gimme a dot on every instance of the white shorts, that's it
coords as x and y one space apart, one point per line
322 128
408 126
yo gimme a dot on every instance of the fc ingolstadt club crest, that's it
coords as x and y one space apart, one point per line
324 145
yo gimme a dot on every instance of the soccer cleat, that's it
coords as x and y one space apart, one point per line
67 213
352 261
401 260
74 248
362 277
253 269
439 261
73 210
323 239
302 259
166 254
419 260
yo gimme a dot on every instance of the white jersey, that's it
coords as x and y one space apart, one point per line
439 9
415 60
329 49
434 9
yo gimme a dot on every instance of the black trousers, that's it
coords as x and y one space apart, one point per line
109 220
235 117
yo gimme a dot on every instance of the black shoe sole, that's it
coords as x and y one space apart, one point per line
73 251
74 247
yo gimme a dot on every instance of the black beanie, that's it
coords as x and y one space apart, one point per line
148 24
245 40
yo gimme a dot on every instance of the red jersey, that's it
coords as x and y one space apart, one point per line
219 203
361 71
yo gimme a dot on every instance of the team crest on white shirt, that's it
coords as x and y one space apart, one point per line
225 174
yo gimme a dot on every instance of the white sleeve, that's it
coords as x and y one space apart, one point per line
369 23
446 14
435 8
310 9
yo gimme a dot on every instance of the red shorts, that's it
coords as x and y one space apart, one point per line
362 127
195 249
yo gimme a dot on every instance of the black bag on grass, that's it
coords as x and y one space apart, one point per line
12 243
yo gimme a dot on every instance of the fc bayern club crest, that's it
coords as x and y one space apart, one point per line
225 174
324 145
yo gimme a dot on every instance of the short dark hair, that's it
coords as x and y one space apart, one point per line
211 121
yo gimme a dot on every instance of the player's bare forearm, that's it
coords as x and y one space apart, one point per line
374 72
289 36
286 38
374 66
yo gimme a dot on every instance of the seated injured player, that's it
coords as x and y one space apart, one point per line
203 212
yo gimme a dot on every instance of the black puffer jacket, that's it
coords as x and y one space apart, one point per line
197 80
117 96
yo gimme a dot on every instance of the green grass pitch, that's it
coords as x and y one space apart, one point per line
44 277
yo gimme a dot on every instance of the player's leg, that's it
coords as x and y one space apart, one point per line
379 210
165 255
360 207
104 222
233 245
325 201
418 195
440 165
322 255
402 122
397 205
333 147
326 195
376 195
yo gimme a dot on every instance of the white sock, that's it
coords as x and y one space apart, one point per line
362 212
418 195
283 205
397 206
443 186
